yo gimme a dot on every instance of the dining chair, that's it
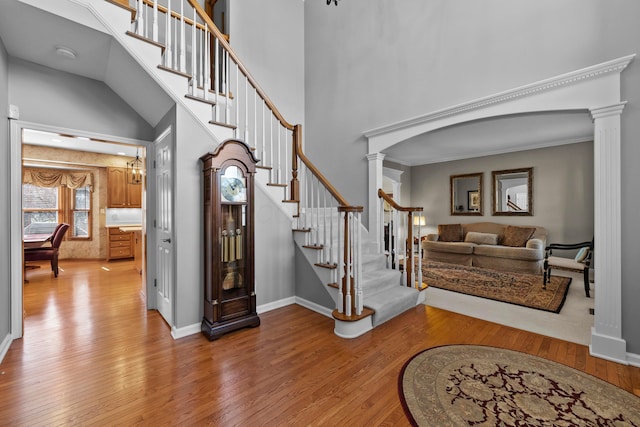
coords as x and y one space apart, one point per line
50 253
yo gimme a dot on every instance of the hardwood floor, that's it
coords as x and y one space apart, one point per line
93 355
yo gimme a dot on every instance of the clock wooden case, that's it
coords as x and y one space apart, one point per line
229 288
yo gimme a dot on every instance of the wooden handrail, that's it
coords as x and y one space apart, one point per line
396 206
222 40
297 149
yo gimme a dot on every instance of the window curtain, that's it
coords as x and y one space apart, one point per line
57 178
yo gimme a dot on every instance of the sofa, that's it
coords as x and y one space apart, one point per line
488 245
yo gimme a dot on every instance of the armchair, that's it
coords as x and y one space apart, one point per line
580 263
48 252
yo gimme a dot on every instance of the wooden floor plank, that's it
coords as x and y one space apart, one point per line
92 354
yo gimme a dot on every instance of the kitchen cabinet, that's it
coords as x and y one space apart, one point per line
121 244
121 193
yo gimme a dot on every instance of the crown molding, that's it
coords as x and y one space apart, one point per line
592 72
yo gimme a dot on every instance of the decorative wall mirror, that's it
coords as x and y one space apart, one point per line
512 192
466 194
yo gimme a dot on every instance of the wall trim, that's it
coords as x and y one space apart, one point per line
5 345
633 359
263 308
320 309
185 331
594 71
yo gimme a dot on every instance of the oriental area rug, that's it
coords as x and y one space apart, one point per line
462 385
515 288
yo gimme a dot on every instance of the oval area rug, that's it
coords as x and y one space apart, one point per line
458 385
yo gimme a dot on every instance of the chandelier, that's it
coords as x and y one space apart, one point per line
134 170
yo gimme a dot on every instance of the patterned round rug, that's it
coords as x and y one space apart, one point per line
459 385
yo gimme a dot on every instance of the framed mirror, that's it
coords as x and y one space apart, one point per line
512 192
466 194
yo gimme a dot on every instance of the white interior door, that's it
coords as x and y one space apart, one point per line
164 281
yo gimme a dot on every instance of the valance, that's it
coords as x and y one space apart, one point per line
57 178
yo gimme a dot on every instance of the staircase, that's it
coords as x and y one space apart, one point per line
187 55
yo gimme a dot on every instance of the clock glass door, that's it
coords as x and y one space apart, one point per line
233 242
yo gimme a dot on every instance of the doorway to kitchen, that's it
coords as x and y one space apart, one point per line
49 160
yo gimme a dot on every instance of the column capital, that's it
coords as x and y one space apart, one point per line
609 110
376 156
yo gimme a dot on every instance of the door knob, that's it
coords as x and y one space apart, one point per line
166 240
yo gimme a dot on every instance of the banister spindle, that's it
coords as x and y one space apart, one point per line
168 59
183 44
155 21
194 70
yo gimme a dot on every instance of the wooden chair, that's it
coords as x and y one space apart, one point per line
48 252
580 263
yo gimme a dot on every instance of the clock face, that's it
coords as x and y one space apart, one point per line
233 189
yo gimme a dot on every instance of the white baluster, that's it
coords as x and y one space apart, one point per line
255 118
237 102
325 230
155 21
194 73
140 18
279 156
358 235
183 44
216 77
168 59
349 267
206 65
264 132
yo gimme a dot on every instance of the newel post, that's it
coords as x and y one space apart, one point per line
295 184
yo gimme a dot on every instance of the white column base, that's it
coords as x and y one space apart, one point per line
608 347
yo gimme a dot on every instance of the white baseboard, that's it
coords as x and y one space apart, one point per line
275 305
314 307
4 347
185 331
633 359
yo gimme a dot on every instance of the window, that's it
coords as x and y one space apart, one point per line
43 208
81 213
40 209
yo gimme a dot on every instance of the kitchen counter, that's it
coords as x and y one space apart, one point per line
128 228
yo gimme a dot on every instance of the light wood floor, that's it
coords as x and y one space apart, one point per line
93 355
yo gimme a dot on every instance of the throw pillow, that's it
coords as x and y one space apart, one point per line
481 238
450 232
517 236
582 254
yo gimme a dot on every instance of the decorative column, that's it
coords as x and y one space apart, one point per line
375 182
606 334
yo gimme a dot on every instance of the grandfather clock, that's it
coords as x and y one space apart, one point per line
229 292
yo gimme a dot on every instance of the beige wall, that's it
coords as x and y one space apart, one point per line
562 190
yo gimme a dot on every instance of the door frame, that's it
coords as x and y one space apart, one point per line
15 178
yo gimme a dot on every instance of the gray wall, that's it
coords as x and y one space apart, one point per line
369 64
268 36
5 270
274 245
562 190
308 285
56 98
